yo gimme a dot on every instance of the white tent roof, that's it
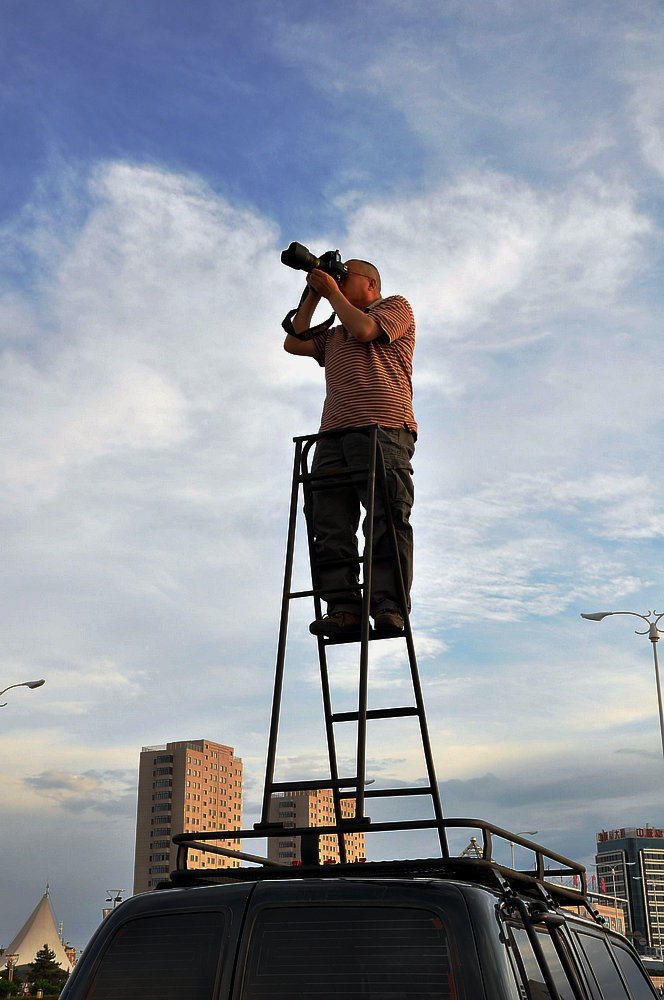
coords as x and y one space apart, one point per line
38 930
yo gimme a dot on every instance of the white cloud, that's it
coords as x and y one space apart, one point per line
77 413
498 160
151 418
147 471
91 790
645 76
488 249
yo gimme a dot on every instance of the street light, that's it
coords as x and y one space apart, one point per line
114 896
23 684
521 833
653 635
622 868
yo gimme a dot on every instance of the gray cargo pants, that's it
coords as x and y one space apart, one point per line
336 518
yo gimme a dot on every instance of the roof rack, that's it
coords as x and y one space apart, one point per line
483 869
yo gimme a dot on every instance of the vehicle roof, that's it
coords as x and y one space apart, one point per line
477 872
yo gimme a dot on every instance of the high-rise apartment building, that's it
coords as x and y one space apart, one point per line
183 787
630 864
311 808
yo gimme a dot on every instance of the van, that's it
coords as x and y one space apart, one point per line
450 928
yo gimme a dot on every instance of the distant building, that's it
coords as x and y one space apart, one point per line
38 930
613 911
186 786
311 808
630 864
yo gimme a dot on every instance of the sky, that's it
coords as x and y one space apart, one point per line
502 163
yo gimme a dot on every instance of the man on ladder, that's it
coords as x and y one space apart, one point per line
368 360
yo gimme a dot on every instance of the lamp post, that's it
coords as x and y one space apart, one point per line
651 620
615 895
23 684
114 896
521 833
626 903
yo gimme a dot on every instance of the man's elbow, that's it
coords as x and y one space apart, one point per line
294 346
367 333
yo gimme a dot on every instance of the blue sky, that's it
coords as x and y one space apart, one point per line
502 163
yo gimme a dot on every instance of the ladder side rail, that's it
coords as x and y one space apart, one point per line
307 492
305 478
367 574
412 660
281 648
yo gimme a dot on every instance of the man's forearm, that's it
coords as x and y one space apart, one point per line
303 317
359 324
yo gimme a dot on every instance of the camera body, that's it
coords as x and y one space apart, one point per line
298 257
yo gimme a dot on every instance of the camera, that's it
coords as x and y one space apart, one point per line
301 259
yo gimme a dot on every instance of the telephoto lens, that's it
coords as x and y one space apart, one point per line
298 257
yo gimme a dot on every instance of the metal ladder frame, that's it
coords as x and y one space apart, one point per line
375 478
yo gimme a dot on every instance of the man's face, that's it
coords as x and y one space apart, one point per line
357 286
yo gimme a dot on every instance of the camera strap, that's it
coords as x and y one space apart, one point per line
312 331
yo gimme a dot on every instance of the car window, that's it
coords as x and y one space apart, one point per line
603 967
591 982
354 952
639 985
170 957
533 975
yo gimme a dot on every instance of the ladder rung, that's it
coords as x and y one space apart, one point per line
379 793
319 591
374 636
350 472
300 593
296 786
374 713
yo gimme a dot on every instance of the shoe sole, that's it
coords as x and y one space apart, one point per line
333 633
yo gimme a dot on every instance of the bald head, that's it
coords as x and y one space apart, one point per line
367 269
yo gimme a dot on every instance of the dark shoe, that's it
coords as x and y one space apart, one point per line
339 623
388 622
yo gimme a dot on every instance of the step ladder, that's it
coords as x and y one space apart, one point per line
346 787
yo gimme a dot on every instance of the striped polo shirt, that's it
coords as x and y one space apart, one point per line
370 383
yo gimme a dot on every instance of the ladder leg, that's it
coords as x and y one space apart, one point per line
367 580
281 648
322 658
412 660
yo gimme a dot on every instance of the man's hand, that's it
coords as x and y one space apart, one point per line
322 283
358 324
